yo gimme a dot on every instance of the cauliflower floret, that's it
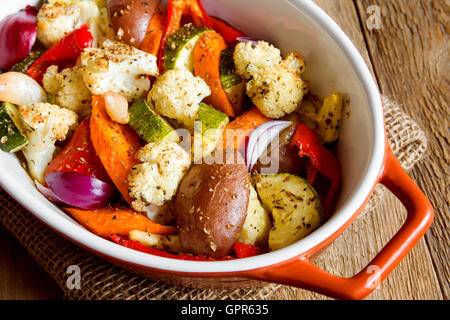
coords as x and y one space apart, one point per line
177 95
91 16
277 91
54 21
45 124
249 58
274 85
119 68
68 88
156 180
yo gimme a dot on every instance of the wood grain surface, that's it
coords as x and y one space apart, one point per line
408 57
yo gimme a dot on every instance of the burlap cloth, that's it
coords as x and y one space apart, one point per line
102 280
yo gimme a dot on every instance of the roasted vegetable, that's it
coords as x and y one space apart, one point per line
116 146
282 156
211 207
79 156
12 131
232 84
257 223
108 221
168 243
179 49
22 66
176 9
130 19
295 206
207 54
321 160
155 31
149 125
326 121
238 131
208 130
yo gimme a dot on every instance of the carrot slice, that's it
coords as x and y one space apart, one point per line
115 144
108 221
155 31
206 66
240 128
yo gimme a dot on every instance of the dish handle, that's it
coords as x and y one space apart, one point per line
301 272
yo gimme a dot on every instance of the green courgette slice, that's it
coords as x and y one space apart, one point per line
295 206
179 49
12 129
149 125
228 76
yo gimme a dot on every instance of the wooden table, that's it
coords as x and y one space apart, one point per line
408 56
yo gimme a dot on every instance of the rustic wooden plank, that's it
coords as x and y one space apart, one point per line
20 276
414 278
411 57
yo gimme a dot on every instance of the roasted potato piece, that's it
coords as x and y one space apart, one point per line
211 207
130 19
170 243
257 224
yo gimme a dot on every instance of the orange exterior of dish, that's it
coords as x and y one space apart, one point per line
300 271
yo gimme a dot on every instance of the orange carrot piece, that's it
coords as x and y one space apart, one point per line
206 66
240 128
155 31
108 221
115 144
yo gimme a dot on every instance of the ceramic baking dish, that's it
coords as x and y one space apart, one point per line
333 64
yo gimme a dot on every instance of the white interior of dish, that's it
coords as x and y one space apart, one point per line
333 64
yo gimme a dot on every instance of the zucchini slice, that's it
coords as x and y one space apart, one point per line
208 129
179 49
295 206
329 118
149 125
228 76
232 83
22 66
12 129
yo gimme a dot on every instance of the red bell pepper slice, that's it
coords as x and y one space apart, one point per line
311 173
79 156
63 54
321 159
245 250
228 32
175 11
140 247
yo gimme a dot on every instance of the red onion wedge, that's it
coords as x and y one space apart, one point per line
78 190
253 41
17 36
260 138
47 192
248 39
